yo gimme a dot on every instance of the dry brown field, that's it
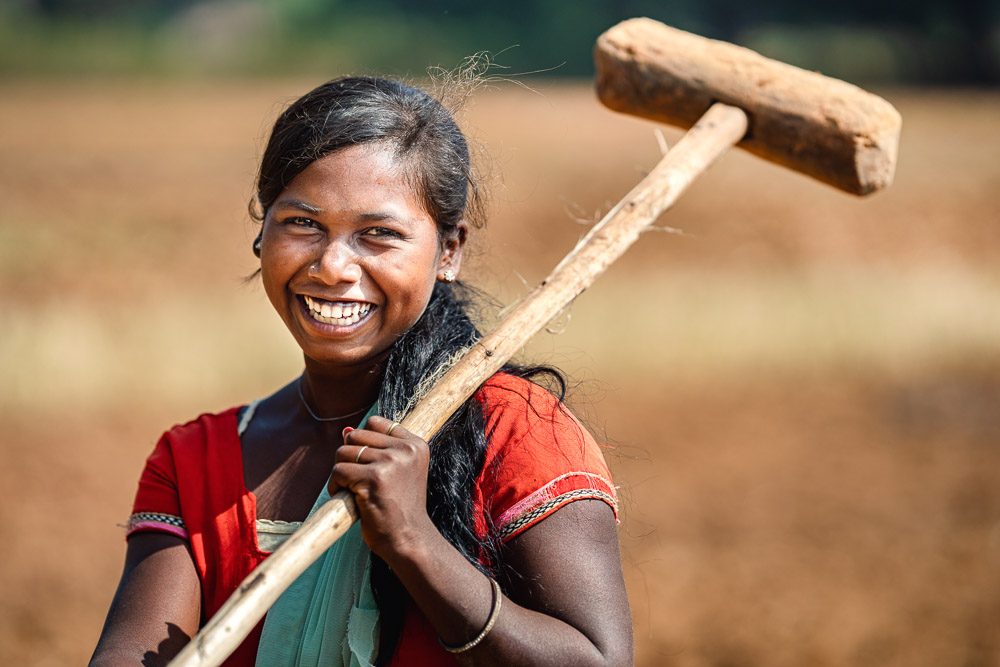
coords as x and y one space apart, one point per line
800 391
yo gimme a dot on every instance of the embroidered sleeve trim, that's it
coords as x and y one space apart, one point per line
554 488
532 516
560 491
167 523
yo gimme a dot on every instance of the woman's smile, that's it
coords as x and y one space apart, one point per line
338 313
350 255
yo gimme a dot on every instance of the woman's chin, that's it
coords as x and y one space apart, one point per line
340 349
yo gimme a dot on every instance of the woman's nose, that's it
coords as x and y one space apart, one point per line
337 264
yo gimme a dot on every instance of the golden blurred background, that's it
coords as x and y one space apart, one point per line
800 390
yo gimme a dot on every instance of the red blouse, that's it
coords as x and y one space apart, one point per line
538 459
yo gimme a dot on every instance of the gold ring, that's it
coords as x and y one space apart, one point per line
394 425
357 459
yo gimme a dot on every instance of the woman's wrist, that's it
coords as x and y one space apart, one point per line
461 604
490 622
413 548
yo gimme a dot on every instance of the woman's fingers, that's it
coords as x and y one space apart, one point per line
388 427
356 454
380 434
383 441
385 467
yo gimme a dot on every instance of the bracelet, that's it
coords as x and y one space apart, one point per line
494 613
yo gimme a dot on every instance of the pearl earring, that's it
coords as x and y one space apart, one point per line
256 246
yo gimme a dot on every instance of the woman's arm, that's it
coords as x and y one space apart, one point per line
157 607
567 603
568 566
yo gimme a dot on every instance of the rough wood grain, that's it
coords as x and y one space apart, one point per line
721 127
823 127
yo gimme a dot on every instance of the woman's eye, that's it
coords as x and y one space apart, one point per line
301 222
382 232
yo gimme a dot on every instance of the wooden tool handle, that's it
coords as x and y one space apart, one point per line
720 128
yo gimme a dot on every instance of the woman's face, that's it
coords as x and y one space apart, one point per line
349 256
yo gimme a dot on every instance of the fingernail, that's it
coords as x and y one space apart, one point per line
346 431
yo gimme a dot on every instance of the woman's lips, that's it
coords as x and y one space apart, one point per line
340 313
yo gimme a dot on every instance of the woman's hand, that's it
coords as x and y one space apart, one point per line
544 619
388 476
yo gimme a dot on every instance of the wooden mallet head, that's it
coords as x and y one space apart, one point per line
823 127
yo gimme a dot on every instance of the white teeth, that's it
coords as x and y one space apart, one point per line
335 313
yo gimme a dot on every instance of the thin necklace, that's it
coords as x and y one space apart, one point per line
324 419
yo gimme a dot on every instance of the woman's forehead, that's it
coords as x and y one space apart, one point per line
362 176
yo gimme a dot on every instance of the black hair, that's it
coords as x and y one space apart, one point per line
360 110
430 146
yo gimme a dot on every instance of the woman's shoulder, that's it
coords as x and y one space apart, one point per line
206 426
505 390
209 437
525 417
186 457
539 456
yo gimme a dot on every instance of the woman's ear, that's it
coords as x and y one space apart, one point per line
450 261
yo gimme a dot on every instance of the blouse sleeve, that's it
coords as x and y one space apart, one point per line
539 457
157 504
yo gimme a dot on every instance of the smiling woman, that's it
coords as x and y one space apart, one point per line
349 234
494 543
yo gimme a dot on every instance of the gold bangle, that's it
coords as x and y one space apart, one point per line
494 613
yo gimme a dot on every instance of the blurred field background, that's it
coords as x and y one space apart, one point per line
801 390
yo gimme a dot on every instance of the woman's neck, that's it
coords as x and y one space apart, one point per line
342 391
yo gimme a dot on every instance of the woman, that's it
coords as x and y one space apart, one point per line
494 544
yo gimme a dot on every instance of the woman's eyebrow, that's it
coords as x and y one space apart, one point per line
375 216
301 205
